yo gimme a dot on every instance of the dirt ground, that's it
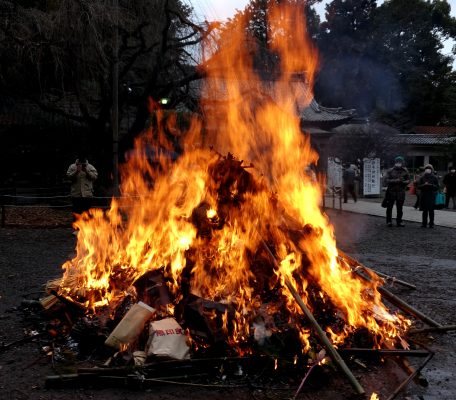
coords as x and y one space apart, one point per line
30 256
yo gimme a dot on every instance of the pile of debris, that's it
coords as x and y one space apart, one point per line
154 330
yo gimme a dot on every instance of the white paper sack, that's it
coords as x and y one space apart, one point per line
167 338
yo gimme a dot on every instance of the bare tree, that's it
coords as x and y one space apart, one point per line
61 55
352 142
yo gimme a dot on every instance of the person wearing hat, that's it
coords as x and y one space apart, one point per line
82 175
428 185
397 179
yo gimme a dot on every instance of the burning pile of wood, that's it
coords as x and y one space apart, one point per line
212 266
155 318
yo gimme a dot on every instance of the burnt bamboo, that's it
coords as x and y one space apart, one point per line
384 352
60 381
165 365
393 298
380 274
403 305
414 373
317 328
304 381
392 279
133 381
444 328
74 306
25 339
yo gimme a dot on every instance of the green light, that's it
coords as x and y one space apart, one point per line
164 101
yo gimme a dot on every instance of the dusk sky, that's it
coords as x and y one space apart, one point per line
223 9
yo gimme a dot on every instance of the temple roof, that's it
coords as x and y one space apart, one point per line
434 130
314 112
215 90
423 139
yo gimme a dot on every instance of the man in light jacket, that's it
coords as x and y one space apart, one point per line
82 175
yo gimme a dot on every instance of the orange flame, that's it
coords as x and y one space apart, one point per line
152 226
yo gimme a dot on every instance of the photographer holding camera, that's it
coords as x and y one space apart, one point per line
82 175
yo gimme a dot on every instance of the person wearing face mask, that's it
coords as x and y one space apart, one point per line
397 179
449 180
428 185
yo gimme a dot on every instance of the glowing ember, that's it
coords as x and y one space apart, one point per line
202 221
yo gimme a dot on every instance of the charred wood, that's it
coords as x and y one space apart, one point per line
442 329
319 331
377 353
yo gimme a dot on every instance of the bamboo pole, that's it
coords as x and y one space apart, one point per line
444 328
384 352
317 328
391 297
401 303
380 274
414 373
392 279
77 307
324 339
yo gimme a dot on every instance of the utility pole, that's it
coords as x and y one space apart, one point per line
115 104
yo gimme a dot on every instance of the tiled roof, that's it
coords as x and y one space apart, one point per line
317 131
216 90
423 139
317 113
434 130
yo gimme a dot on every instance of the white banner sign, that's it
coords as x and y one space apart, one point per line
371 176
334 173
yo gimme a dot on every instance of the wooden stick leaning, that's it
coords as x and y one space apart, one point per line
388 295
371 271
383 352
392 278
317 328
442 329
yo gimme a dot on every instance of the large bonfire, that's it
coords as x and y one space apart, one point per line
236 215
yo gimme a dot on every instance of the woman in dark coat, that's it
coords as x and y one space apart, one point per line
428 185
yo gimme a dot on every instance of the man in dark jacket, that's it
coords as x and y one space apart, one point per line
449 180
349 177
428 185
397 179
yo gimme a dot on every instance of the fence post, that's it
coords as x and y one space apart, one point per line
321 182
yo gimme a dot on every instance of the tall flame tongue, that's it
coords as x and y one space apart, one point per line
159 226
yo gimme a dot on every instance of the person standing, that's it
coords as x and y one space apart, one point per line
449 180
418 174
397 179
82 175
428 185
349 177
